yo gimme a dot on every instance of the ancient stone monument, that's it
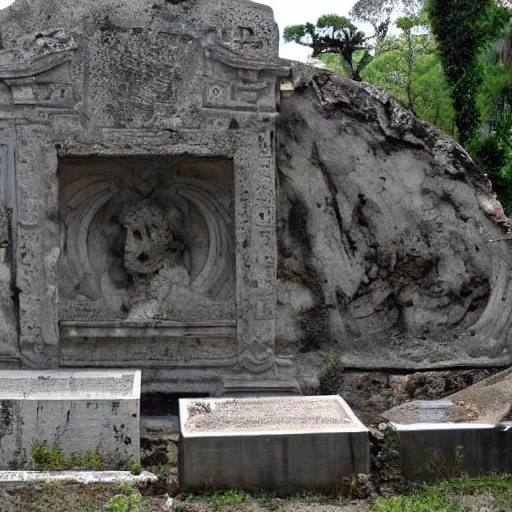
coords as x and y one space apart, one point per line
137 159
164 207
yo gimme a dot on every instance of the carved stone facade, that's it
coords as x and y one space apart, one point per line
137 157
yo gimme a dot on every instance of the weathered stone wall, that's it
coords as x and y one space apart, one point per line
384 226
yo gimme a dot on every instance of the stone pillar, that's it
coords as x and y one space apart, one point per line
37 247
9 352
260 370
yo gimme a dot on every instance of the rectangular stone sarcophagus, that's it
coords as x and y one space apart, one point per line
445 438
284 445
72 411
137 164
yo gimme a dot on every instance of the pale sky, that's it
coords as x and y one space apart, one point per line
294 12
291 12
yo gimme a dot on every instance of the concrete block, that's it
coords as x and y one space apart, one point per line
78 410
441 439
281 444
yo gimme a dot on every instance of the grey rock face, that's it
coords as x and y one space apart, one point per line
384 226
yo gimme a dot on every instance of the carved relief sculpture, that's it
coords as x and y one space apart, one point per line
145 246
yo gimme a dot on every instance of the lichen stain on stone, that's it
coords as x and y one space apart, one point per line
6 416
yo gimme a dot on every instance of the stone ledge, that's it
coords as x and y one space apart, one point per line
24 478
127 329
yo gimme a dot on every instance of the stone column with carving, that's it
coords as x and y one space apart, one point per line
37 248
259 369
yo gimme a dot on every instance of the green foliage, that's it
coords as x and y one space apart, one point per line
173 315
422 502
494 154
218 499
136 469
122 503
333 34
499 487
496 92
462 29
331 378
444 495
408 67
54 459
129 501
47 459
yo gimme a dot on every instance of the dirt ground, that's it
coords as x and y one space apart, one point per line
487 494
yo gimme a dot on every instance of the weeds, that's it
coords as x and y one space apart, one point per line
218 499
422 502
331 377
54 459
444 496
136 469
122 503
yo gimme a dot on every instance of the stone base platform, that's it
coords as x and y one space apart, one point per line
445 438
77 411
282 445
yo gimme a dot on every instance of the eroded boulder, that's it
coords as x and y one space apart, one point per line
385 228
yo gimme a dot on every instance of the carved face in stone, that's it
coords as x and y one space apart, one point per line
152 239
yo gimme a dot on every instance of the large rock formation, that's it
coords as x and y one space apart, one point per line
385 229
138 149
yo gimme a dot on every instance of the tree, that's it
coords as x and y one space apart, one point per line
407 24
333 34
493 152
378 13
463 28
423 86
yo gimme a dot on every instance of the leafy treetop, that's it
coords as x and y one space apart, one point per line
332 34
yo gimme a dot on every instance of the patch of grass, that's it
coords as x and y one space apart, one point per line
85 506
269 502
444 495
63 497
46 458
130 499
428 501
127 488
272 502
122 503
36 507
497 486
217 499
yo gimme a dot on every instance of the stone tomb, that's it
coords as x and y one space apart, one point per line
137 163
79 410
283 445
443 438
